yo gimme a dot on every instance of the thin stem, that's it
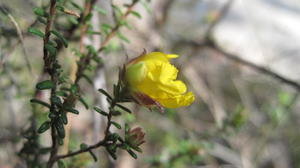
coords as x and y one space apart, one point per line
117 26
54 78
100 143
47 34
103 142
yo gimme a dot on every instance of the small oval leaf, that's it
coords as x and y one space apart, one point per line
36 32
116 125
60 37
40 12
47 84
40 102
44 127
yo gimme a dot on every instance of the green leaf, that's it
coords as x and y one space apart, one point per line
47 84
61 93
92 49
53 43
61 164
132 154
60 8
123 108
122 37
93 155
64 118
56 100
138 15
74 111
60 37
36 32
114 137
136 148
83 146
73 20
91 32
44 127
122 22
118 10
88 17
60 141
40 12
98 59
76 6
116 124
105 93
60 129
111 150
88 79
84 103
100 111
60 1
116 113
74 89
106 28
42 20
51 49
146 6
126 128
129 26
40 102
100 10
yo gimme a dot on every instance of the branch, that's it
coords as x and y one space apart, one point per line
100 143
258 68
117 26
54 78
20 35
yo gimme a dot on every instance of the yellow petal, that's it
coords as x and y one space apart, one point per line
156 56
160 81
177 101
172 56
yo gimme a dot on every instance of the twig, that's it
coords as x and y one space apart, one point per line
100 143
21 38
258 68
54 78
117 26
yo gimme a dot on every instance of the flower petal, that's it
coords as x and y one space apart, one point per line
177 101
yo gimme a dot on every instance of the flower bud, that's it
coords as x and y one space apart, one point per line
135 137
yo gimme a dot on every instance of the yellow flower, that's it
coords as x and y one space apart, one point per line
152 76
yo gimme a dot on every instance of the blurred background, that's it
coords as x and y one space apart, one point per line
240 58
